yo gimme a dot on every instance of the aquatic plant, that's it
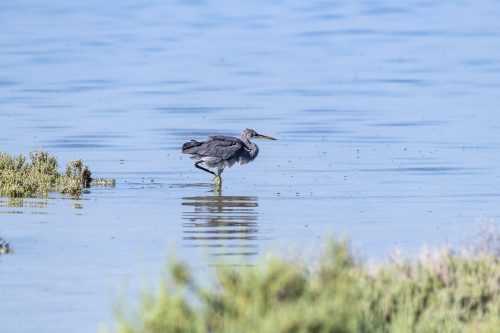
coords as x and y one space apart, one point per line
4 246
40 175
442 291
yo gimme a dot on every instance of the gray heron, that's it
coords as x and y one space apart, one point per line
220 152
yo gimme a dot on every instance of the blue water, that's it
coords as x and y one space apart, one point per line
386 114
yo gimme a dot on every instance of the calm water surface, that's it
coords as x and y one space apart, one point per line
386 113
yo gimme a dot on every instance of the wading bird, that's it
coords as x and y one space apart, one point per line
221 151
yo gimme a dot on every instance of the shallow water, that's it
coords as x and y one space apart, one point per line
386 114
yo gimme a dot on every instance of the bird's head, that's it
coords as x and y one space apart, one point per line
250 133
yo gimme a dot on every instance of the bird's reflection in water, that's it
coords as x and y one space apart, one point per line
225 225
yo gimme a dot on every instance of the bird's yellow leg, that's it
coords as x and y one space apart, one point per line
219 179
219 183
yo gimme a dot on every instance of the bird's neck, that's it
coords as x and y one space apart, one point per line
251 147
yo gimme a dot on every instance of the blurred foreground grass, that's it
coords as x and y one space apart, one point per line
442 291
40 175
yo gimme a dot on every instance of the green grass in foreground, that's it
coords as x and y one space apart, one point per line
40 175
440 292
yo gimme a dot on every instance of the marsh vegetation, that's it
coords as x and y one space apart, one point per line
442 291
39 175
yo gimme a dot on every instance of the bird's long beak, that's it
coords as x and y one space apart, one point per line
260 136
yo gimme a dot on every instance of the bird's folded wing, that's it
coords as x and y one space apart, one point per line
224 138
224 147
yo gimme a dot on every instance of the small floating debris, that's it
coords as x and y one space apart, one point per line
4 247
39 176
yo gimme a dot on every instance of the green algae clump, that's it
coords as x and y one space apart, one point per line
39 176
